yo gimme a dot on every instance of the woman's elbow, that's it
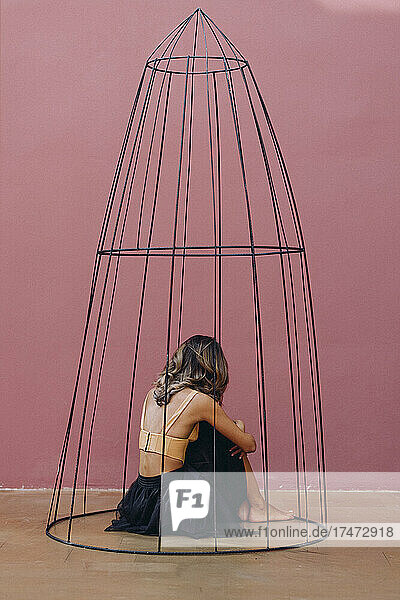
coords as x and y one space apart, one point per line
251 445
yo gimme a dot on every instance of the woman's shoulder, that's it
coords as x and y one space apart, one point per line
198 398
150 393
201 394
204 400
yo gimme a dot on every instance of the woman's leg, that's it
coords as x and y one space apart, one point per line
254 509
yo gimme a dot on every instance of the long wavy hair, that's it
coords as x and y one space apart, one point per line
199 363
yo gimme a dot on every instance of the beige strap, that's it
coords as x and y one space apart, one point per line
153 442
180 410
144 410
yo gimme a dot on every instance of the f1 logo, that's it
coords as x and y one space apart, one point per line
189 499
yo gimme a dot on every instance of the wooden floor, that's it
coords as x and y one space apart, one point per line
32 566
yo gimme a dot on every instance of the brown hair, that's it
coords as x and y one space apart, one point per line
198 363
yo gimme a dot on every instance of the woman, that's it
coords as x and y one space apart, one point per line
197 373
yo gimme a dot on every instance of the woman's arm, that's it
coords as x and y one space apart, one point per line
207 408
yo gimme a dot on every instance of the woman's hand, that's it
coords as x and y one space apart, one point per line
236 450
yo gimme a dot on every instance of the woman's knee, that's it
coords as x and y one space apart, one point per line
240 424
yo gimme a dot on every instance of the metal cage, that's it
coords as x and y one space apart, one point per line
201 232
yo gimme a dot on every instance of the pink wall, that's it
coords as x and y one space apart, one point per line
329 75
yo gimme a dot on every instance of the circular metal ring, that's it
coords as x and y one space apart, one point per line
170 552
151 64
201 251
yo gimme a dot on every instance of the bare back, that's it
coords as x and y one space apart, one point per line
150 463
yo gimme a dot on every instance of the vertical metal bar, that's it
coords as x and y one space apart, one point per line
75 392
60 468
277 214
101 307
257 312
211 146
144 281
141 127
91 365
171 285
317 402
188 174
219 200
296 219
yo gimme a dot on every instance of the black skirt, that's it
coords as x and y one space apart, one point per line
139 509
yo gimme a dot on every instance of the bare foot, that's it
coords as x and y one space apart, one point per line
244 509
259 514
